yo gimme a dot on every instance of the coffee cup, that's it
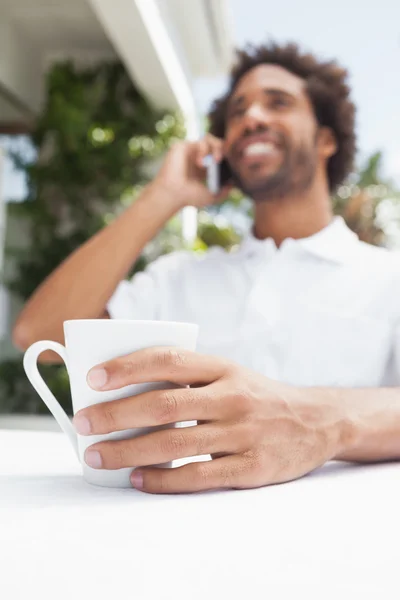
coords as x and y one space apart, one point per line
87 344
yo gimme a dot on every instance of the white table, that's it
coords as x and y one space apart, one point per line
332 535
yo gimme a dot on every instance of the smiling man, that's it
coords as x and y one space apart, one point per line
298 357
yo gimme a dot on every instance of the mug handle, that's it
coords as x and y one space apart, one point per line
32 372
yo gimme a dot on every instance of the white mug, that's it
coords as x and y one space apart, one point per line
87 344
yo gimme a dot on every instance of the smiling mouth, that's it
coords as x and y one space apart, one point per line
259 151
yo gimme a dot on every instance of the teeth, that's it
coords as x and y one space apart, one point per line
259 148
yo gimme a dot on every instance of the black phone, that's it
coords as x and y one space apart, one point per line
225 173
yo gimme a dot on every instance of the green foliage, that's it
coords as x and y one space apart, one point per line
212 234
17 394
370 204
93 140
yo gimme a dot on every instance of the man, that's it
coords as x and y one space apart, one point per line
298 357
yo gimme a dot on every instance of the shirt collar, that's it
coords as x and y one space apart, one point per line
336 242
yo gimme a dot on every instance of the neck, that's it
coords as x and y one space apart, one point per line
295 216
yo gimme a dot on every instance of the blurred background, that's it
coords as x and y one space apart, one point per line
92 94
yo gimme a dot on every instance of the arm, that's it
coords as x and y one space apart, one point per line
374 416
82 285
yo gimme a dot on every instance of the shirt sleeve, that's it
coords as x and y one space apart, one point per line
392 377
143 296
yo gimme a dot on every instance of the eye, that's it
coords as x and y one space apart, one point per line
280 102
236 112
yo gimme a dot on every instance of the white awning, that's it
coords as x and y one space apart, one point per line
164 44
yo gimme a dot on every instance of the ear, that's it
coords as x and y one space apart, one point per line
327 143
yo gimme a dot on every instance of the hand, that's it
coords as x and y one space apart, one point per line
259 431
183 175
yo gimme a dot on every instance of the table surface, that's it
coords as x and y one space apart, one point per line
331 535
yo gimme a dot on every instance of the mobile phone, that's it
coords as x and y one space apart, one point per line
213 182
218 174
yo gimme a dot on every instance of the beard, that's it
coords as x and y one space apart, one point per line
294 176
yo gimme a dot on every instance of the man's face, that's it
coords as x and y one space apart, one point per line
271 138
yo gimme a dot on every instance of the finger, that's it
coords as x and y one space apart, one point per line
209 145
227 472
202 150
172 364
216 147
162 446
158 407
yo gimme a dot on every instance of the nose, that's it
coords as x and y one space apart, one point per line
256 117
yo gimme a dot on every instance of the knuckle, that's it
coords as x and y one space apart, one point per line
119 455
242 399
247 435
204 398
166 408
230 374
255 461
172 358
108 422
150 407
203 443
127 368
174 443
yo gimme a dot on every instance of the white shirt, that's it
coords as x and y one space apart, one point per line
319 311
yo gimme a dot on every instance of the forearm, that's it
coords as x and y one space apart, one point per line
370 418
82 285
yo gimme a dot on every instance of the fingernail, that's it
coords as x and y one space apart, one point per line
82 425
97 378
93 459
137 480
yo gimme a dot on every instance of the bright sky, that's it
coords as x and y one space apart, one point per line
363 36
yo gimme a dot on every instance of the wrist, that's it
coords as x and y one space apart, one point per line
329 414
168 195
159 201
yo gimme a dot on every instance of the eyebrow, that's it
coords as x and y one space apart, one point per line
267 91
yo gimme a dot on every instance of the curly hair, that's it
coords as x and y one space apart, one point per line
326 85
